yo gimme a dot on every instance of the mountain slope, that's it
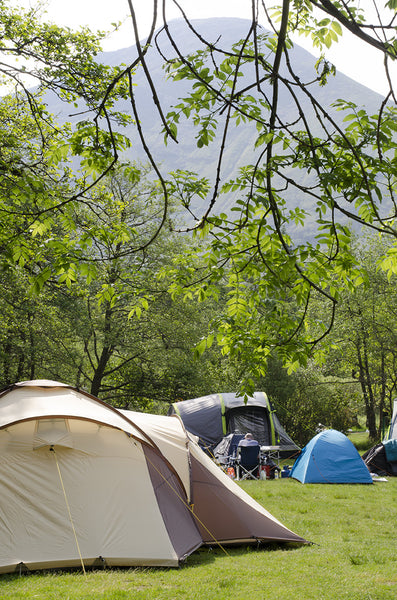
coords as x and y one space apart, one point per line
240 140
186 154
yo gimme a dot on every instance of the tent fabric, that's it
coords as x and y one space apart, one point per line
139 490
213 417
227 512
376 461
382 458
227 448
391 450
201 417
392 432
330 457
27 400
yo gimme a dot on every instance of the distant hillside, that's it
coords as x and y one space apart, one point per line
185 154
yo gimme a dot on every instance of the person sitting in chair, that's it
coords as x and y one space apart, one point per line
248 440
248 450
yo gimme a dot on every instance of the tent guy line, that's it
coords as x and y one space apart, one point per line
52 449
189 506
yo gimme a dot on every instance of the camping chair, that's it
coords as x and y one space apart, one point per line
247 464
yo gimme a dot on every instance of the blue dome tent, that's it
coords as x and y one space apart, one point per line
330 457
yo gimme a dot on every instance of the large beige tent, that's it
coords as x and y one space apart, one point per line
82 483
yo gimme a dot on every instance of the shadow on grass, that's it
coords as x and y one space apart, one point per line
208 554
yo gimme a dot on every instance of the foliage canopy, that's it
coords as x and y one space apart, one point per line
342 160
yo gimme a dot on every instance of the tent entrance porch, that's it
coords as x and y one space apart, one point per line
252 419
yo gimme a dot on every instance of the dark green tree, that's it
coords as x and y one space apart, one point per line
365 334
111 325
319 402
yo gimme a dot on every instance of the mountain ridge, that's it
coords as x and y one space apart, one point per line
185 154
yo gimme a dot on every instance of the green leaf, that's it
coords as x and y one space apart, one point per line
200 347
336 26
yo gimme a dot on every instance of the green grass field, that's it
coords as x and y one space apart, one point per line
353 555
361 440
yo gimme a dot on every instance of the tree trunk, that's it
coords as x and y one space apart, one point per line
366 387
100 370
106 353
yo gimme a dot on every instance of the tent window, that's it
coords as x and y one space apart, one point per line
51 432
46 425
250 418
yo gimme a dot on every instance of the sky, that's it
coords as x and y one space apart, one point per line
350 56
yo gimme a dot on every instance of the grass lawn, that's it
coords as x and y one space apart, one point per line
353 556
361 440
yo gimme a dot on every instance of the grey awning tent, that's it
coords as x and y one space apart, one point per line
213 417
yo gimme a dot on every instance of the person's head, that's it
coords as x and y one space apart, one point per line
249 436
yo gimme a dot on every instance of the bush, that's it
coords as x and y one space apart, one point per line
314 401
